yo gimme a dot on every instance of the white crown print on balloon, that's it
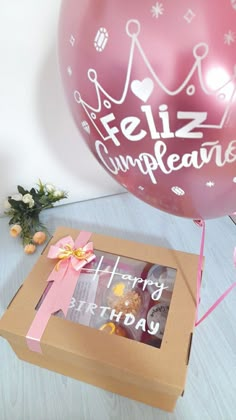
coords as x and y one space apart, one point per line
225 93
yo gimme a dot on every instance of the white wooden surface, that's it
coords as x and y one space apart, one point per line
28 392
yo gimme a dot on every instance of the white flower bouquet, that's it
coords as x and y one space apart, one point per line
24 209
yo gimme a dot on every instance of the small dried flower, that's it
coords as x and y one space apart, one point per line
57 193
15 230
30 249
24 209
28 199
39 238
49 188
17 197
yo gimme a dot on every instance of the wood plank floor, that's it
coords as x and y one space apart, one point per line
30 393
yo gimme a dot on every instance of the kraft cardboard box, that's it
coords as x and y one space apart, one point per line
127 326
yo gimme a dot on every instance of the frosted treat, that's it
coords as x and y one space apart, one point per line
158 313
112 328
161 275
127 302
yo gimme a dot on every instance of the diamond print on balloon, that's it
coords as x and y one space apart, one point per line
177 190
85 126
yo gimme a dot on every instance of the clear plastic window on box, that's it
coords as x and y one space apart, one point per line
122 296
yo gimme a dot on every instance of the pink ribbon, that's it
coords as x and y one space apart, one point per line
201 223
72 257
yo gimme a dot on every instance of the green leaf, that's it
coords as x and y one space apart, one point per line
41 187
14 203
14 220
33 192
21 190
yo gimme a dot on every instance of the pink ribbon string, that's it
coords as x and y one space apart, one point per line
201 223
72 257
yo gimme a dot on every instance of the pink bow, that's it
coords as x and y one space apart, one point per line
72 257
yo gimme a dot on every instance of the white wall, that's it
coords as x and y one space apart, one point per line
38 138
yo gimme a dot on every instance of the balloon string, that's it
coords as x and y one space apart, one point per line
201 223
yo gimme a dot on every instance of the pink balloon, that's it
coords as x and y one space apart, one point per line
151 86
